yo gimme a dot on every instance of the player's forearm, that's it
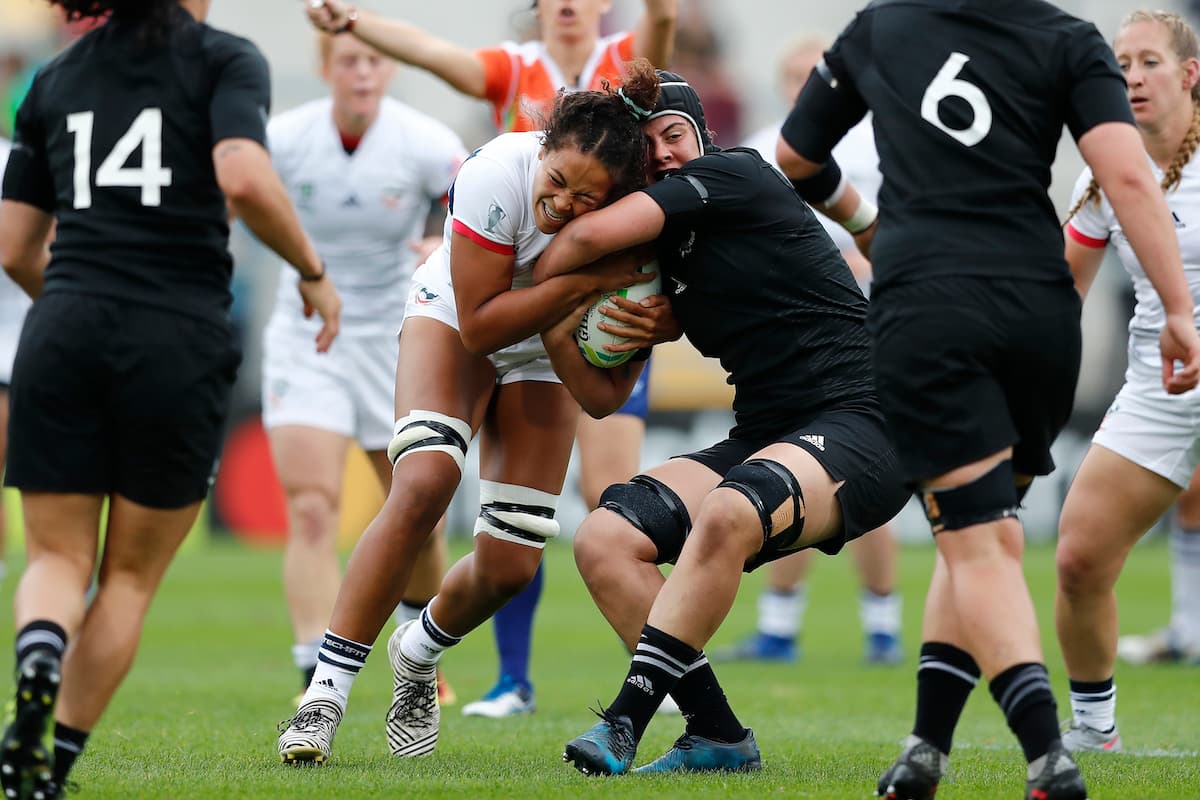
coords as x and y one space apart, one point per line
655 35
405 42
599 392
1146 222
517 314
25 235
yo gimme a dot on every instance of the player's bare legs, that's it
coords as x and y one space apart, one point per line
1111 504
310 464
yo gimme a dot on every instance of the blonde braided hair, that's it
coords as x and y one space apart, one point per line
1184 44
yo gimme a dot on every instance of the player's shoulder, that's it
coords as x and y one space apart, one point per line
223 46
398 114
302 115
742 160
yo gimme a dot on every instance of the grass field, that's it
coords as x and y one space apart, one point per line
196 718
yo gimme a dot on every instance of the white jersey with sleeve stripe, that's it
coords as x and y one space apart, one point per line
1095 225
856 156
491 203
362 209
13 302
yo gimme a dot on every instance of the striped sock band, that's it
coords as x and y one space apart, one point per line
425 641
338 663
41 635
1023 692
68 744
1094 704
659 662
945 679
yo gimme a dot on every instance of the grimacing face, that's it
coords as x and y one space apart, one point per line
568 183
670 143
1158 83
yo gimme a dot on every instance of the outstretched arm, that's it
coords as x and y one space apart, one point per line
404 42
654 38
1115 153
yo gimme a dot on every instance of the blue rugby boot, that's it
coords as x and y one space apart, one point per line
761 647
607 748
884 649
692 753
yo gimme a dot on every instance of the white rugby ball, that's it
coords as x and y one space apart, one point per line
591 339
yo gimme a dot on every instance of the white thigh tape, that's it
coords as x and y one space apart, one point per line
429 431
516 514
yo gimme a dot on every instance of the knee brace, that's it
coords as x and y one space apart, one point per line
988 498
429 431
773 491
654 509
516 514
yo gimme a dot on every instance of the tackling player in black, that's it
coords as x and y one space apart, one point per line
974 319
755 281
131 141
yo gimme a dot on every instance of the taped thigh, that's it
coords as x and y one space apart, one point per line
654 509
428 431
775 494
516 514
990 497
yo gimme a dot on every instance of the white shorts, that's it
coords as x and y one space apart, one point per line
349 390
524 361
1153 429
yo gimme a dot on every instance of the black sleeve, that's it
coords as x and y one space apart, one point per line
1097 90
241 98
28 178
829 105
715 182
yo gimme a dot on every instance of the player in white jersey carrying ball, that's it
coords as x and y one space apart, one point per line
13 305
1148 446
471 360
363 170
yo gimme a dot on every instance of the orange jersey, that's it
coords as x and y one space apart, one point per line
522 79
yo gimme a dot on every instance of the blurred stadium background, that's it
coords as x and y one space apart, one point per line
729 49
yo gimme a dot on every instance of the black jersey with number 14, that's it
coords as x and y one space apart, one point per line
115 139
969 100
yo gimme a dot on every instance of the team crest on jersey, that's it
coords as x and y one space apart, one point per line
306 191
685 249
425 297
496 215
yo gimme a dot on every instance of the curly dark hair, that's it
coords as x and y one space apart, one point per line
608 124
153 15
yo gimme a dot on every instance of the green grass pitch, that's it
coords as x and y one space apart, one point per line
196 717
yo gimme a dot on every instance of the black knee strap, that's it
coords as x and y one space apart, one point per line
654 509
990 497
768 485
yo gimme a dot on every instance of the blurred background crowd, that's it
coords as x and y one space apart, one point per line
731 52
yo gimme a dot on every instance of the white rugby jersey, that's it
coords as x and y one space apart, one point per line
491 203
856 156
1096 225
13 300
362 209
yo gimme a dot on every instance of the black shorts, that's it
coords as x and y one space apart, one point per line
853 446
110 397
965 367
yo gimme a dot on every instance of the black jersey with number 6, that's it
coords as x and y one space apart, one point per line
115 139
969 99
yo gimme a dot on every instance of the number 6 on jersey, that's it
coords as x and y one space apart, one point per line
151 176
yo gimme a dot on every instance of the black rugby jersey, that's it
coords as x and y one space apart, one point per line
969 99
756 282
115 139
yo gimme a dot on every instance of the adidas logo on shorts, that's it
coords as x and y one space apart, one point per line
641 682
815 440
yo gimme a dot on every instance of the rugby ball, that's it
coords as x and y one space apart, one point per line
591 339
